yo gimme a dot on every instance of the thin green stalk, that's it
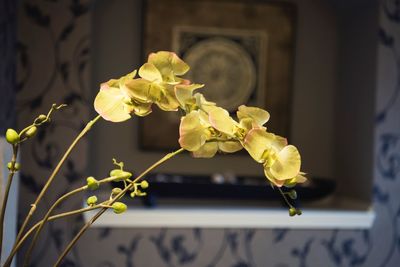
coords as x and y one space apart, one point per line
46 217
51 218
35 237
11 173
112 201
52 176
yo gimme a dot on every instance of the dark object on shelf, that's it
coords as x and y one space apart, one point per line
168 186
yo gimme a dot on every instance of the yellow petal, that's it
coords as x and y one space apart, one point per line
167 100
229 146
220 120
192 133
110 105
259 115
168 61
270 177
287 164
141 109
149 72
184 92
208 150
138 89
256 142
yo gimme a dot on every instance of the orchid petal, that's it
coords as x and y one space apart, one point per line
259 115
110 105
192 135
149 72
184 92
220 120
208 150
256 142
287 164
229 146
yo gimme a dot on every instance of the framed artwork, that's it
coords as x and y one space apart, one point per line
241 50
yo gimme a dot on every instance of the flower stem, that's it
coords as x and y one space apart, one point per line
51 218
52 176
117 197
6 193
46 217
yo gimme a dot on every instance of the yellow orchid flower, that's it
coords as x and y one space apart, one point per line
198 136
281 161
158 79
114 104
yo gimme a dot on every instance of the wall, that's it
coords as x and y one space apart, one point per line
53 37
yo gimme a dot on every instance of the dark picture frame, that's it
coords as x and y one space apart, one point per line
242 50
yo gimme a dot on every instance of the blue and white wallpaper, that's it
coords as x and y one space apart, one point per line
54 66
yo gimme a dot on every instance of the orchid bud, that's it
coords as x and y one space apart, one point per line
40 118
16 167
120 175
92 183
292 211
12 136
91 200
31 131
116 191
144 184
119 207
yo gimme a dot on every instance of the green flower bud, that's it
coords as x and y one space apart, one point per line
144 184
299 212
12 136
116 191
292 194
91 200
120 175
133 194
17 166
92 183
292 211
41 118
31 131
119 207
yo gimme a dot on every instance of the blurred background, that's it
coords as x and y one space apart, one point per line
328 72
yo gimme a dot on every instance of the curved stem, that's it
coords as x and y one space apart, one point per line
30 231
6 193
46 217
117 197
51 178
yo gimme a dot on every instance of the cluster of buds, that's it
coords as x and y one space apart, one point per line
116 175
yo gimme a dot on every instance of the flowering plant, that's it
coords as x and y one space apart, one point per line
205 129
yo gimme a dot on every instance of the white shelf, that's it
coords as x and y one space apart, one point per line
234 218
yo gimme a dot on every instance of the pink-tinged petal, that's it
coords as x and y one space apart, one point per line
229 146
259 115
256 142
110 105
220 120
168 62
192 135
274 181
287 165
149 72
208 150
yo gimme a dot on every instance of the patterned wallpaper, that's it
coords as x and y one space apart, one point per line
53 65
